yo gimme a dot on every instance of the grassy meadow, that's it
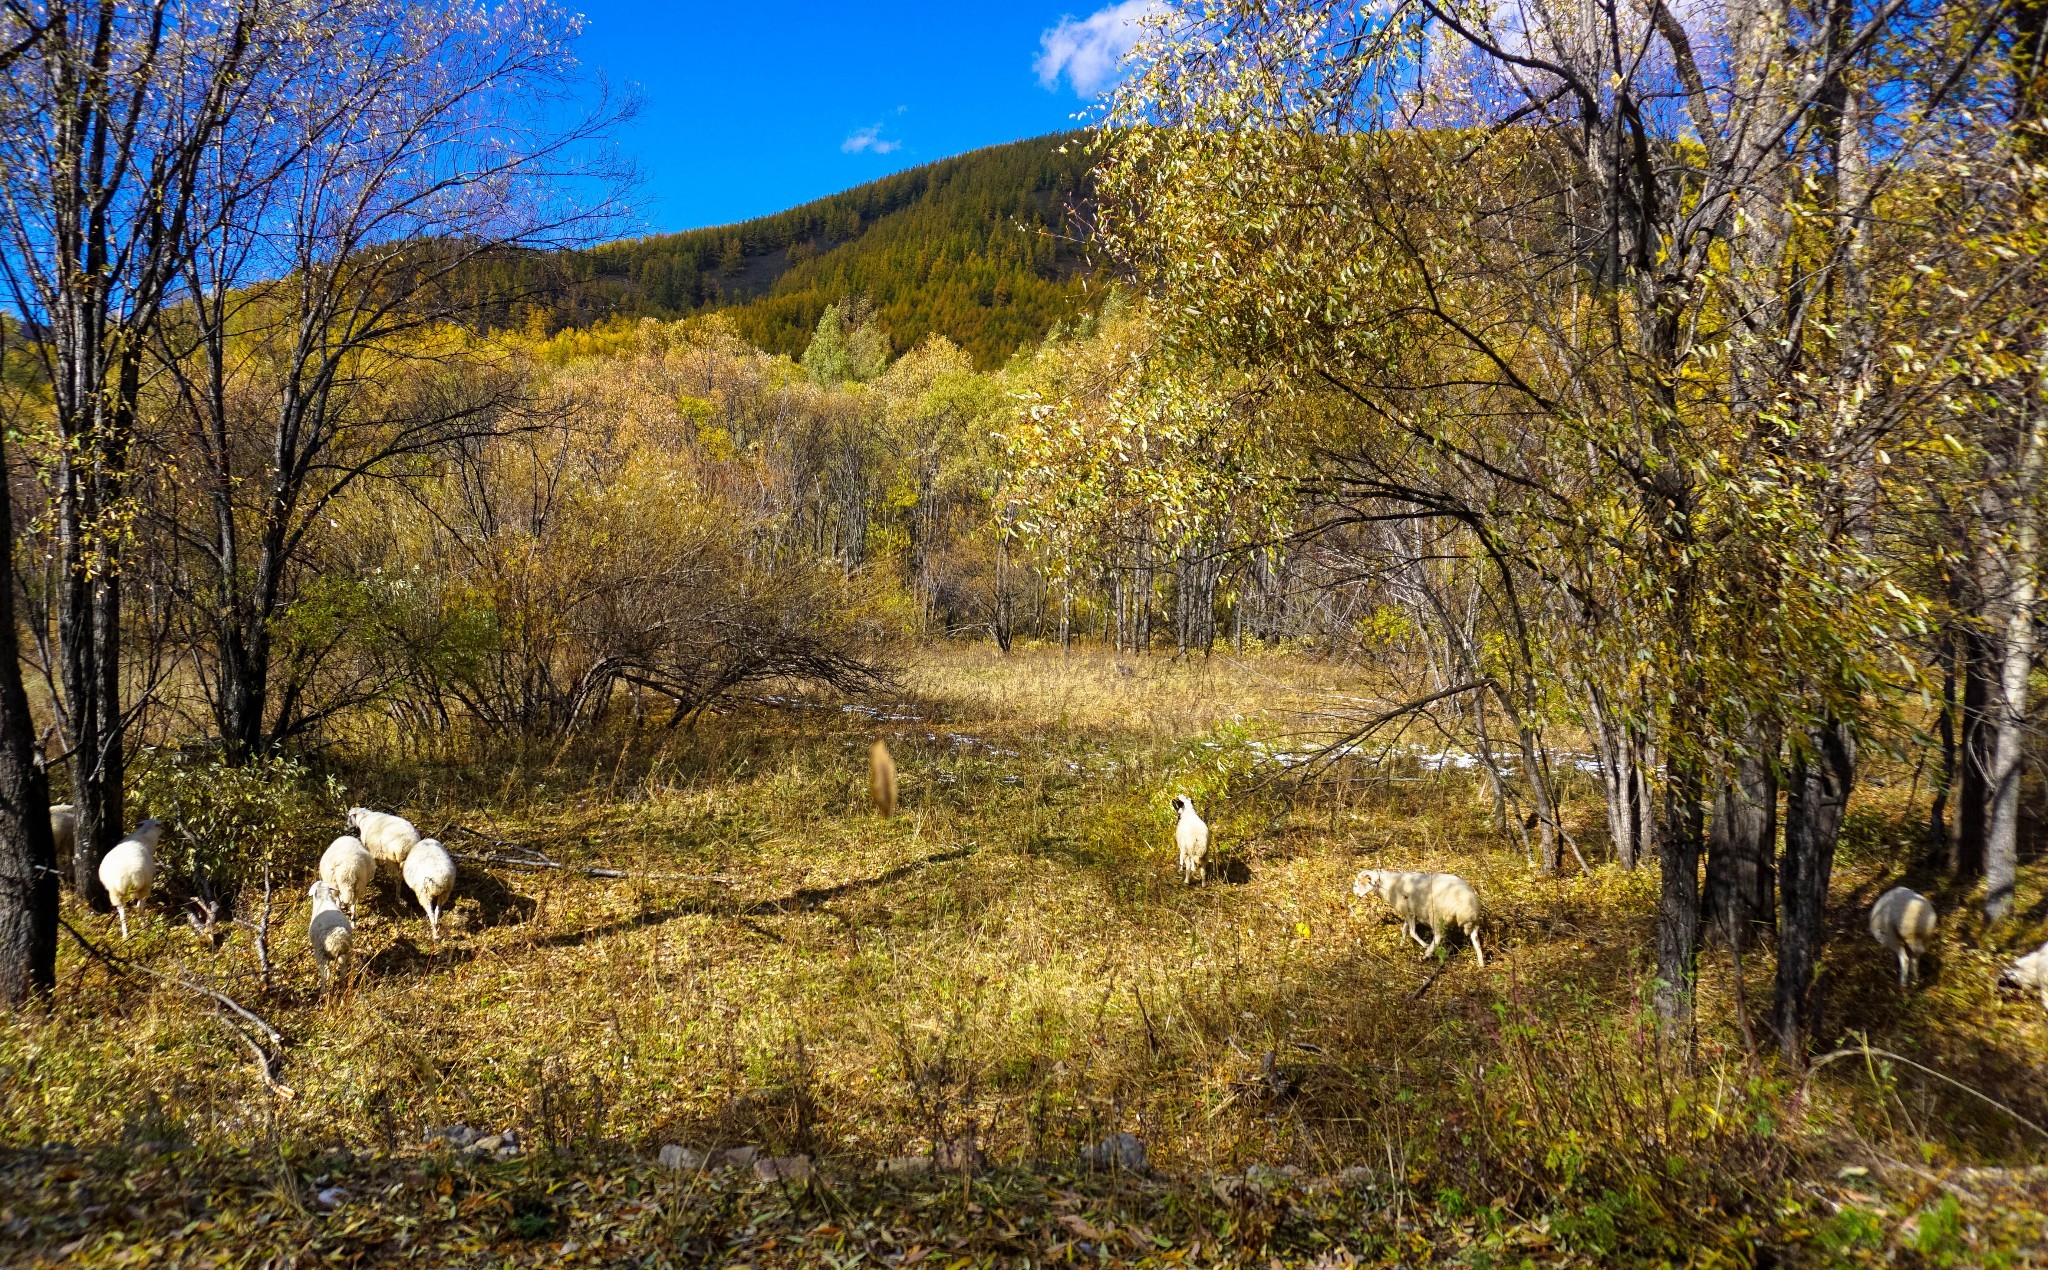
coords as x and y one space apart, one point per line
1012 961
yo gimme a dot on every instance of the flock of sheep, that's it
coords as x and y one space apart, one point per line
347 869
1902 920
349 866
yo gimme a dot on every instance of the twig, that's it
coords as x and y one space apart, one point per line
1151 1040
1867 1051
261 929
123 963
263 1059
1430 982
1218 1108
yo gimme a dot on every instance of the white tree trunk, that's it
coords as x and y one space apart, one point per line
2015 633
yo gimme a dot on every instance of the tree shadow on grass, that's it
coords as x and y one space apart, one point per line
398 959
496 903
801 900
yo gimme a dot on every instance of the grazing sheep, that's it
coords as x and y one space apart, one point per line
386 837
1192 836
2028 974
882 779
349 868
1903 920
430 872
64 834
1435 900
129 870
333 934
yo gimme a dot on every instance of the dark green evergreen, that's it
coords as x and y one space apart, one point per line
984 248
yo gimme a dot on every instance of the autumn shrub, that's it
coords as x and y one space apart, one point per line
1626 1140
227 825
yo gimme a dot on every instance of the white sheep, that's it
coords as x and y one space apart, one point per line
2028 974
129 870
1192 836
430 872
386 837
1903 920
332 933
349 868
1435 900
64 833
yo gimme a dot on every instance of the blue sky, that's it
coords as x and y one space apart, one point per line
748 108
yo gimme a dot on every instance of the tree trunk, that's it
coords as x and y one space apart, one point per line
1624 784
1966 851
1938 821
1550 838
89 490
28 856
1817 794
2015 637
239 687
1678 901
1142 594
1000 623
1741 847
89 630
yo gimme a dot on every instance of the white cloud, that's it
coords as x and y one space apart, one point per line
1088 51
869 141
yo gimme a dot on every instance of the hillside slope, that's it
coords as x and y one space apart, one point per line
982 248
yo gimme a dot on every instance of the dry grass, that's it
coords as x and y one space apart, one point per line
1011 958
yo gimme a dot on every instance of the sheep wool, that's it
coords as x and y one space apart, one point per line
349 868
1903 920
64 833
882 779
129 870
1191 835
386 837
332 933
1435 900
2029 974
430 872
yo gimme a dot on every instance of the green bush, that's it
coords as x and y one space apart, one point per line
223 824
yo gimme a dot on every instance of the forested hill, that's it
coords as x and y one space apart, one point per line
981 248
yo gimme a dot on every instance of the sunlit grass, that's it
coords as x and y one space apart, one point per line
1012 958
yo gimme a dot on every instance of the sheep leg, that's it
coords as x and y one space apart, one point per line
1477 951
434 920
1408 929
122 911
1436 935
